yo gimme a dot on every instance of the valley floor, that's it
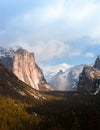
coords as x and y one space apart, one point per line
60 111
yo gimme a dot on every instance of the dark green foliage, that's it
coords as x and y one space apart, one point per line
63 112
68 112
14 117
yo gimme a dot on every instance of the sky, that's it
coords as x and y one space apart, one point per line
57 31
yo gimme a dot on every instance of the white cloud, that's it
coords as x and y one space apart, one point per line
55 68
60 20
39 16
49 50
46 51
74 53
52 13
96 41
89 54
79 10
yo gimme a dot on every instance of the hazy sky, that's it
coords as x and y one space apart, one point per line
57 31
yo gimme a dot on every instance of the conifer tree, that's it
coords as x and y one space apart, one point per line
75 125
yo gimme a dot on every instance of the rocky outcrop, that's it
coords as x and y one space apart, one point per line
25 68
89 80
23 65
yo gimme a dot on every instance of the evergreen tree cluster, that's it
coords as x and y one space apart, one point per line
58 112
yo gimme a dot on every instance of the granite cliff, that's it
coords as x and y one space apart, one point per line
89 79
23 65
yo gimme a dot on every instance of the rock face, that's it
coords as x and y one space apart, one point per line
89 79
11 86
23 65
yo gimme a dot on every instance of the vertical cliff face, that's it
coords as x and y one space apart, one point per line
25 68
89 80
23 65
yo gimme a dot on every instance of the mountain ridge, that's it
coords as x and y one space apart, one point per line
67 80
51 71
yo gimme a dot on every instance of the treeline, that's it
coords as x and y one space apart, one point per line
70 112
